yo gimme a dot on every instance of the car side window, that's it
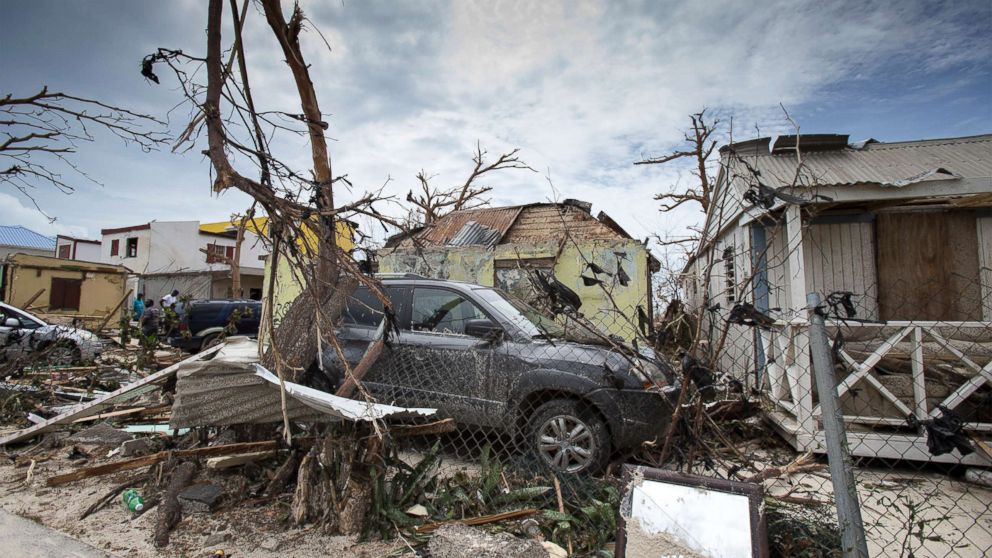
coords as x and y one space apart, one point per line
442 311
364 308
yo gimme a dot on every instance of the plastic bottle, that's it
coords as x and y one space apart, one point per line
133 501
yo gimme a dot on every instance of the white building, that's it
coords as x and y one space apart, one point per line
167 255
906 229
79 249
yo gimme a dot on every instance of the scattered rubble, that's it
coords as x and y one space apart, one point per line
461 541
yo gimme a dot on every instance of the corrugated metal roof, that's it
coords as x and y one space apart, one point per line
889 164
537 222
17 235
474 233
445 229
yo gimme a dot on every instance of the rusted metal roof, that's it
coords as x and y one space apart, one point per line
445 229
888 164
536 222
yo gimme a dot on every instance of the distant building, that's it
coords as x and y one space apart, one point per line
20 240
497 246
80 249
60 290
167 255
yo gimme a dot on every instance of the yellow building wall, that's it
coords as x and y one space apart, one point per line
102 286
288 286
615 312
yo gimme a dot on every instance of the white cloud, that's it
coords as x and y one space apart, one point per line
13 212
583 88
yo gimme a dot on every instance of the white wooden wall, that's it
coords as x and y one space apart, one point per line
985 264
841 257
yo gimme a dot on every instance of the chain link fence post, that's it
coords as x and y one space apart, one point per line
838 454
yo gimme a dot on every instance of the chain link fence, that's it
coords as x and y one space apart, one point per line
910 338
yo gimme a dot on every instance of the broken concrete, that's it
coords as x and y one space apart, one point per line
102 434
461 541
137 447
200 498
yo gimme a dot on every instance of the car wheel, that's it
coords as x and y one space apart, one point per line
210 341
62 353
570 437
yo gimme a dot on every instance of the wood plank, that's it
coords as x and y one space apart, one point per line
94 407
120 413
228 461
481 520
919 276
138 462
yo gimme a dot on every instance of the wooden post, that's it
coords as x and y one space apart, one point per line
33 298
106 319
919 378
799 370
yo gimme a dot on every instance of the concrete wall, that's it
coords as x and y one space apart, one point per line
102 286
196 285
476 264
137 264
80 251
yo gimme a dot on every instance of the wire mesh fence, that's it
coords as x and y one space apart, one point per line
910 337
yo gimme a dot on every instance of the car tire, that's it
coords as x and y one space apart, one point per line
210 341
62 353
569 436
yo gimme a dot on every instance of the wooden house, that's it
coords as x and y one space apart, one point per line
906 229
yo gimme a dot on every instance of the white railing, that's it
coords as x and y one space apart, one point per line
789 381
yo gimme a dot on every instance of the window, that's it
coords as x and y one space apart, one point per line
442 311
132 248
364 308
216 253
65 252
65 294
115 247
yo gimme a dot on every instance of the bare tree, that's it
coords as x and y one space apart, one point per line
699 147
432 202
42 131
302 228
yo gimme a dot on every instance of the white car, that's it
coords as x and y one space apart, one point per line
22 333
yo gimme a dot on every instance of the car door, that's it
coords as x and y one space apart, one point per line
359 322
442 366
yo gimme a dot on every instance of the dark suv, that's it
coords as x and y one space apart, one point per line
203 322
490 361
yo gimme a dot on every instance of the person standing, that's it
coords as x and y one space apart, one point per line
150 320
170 299
138 307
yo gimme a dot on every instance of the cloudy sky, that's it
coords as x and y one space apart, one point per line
584 89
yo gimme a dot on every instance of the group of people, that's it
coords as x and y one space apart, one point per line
149 317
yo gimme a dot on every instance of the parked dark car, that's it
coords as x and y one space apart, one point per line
490 361
203 322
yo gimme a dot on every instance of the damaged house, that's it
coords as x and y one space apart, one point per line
167 255
897 237
499 246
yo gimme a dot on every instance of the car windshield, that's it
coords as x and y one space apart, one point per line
27 320
524 316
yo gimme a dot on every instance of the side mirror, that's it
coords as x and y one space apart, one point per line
482 328
12 322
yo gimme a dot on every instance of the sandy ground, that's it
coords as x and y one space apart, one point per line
950 517
248 531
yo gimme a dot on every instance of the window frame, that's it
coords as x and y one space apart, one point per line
413 296
115 247
129 245
67 285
